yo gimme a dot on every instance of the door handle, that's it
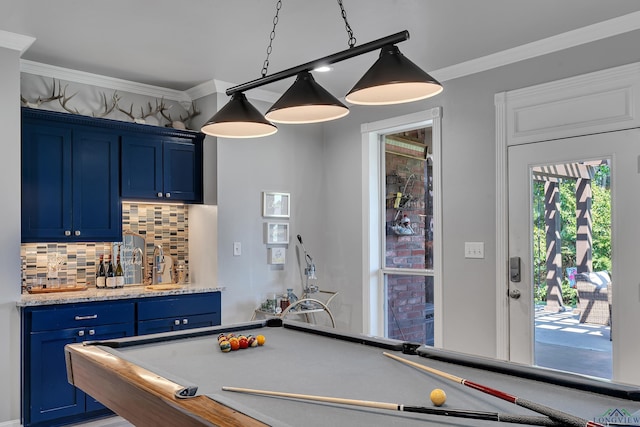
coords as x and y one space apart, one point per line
514 293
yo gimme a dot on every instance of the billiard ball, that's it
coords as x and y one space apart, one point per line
438 397
225 346
261 339
244 343
253 342
235 343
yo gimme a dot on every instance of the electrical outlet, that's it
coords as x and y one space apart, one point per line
474 249
237 249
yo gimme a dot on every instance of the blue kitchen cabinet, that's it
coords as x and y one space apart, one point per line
70 180
173 313
48 398
164 167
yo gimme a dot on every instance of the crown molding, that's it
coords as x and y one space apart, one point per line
76 76
590 33
218 86
15 41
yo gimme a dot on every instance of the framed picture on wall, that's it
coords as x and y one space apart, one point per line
275 205
277 233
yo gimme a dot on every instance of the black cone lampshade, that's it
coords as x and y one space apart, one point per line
239 119
393 79
306 102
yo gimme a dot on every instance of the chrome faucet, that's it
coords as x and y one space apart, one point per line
158 265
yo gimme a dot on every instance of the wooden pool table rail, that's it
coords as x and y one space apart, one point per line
124 387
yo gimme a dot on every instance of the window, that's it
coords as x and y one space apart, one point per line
408 234
402 290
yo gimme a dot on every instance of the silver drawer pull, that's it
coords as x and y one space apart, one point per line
92 316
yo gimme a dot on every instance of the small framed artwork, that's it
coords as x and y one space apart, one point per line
277 255
277 233
275 205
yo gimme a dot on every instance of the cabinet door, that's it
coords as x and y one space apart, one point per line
97 213
141 173
46 181
51 395
182 171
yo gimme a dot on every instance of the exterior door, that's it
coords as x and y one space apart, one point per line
622 149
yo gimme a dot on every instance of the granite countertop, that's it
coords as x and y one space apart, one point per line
93 294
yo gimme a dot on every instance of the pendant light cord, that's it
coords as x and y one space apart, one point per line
352 39
265 65
351 42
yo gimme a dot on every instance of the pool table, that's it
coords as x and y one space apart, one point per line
176 379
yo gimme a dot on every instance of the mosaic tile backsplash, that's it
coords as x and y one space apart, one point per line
164 225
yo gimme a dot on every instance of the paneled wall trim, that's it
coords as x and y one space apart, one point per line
602 101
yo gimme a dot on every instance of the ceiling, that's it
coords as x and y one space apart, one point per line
181 44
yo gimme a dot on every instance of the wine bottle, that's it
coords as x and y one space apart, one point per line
119 274
111 276
101 275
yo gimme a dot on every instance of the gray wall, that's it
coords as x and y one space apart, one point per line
10 235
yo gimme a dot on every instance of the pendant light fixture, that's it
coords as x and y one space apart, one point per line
306 102
393 79
239 119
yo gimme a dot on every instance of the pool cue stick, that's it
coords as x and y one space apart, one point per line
554 414
478 415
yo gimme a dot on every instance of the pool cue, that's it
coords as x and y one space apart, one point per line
478 415
554 414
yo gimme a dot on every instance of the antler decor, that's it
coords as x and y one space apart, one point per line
180 124
160 108
55 95
108 108
59 94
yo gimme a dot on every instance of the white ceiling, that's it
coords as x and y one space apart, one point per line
181 44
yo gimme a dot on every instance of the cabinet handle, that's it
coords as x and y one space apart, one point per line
176 322
185 321
67 233
91 316
159 195
92 332
80 333
167 195
77 232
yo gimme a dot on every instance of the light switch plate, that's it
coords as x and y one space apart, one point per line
474 249
237 248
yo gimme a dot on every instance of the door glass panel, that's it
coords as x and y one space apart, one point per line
571 205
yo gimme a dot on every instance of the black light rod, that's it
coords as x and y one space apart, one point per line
331 59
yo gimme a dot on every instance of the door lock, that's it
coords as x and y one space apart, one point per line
514 269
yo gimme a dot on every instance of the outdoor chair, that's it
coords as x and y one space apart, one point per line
593 297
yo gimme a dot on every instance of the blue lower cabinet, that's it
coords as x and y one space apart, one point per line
48 398
52 396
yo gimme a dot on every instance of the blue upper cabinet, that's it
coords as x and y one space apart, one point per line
70 179
162 167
